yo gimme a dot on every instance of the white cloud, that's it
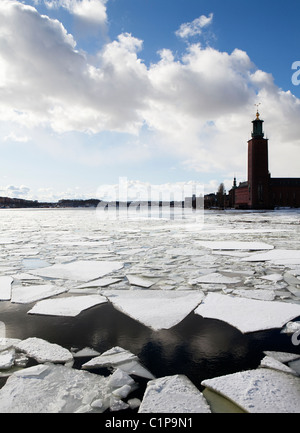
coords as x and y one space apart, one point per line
18 138
195 27
91 11
198 107
15 191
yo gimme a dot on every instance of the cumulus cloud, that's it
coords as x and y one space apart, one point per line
90 11
197 107
195 27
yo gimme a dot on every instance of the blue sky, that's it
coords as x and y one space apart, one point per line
158 91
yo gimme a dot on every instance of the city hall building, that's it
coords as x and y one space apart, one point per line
261 191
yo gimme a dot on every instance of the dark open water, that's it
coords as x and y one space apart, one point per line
199 348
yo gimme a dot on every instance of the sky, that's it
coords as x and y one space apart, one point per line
159 92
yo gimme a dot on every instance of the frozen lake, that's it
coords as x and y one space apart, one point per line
170 290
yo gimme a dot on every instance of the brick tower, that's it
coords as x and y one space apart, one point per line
258 171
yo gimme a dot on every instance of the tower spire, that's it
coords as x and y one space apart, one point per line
257 125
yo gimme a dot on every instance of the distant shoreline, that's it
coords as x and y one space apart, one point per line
18 203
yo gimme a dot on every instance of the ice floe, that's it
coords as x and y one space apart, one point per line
277 257
33 293
117 357
7 358
263 390
111 358
215 278
6 343
263 295
53 389
136 280
274 278
100 282
67 306
158 309
43 351
270 362
173 394
235 245
80 270
247 315
86 351
27 277
282 357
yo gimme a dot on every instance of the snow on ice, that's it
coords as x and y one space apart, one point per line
173 394
117 357
54 389
158 309
247 315
276 257
80 270
263 390
43 351
68 306
28 294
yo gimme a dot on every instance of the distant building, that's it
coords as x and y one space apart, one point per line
261 191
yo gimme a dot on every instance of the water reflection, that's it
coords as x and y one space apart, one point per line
197 347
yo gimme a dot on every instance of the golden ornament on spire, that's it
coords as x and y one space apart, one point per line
257 113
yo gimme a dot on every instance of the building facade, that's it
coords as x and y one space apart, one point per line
261 191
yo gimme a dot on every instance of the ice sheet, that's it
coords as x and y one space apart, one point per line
43 351
68 306
117 357
27 277
111 358
235 245
216 278
277 257
248 315
173 394
7 359
259 391
53 389
33 293
136 280
269 362
6 343
100 282
158 309
263 295
86 351
80 270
